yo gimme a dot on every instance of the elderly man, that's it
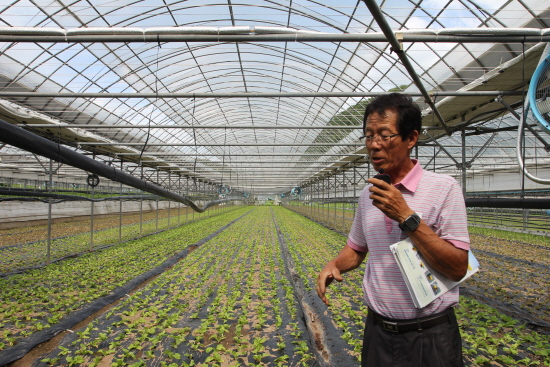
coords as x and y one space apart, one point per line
428 208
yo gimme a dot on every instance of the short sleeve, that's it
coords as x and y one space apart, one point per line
356 237
452 223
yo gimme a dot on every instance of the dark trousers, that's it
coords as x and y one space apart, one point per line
438 346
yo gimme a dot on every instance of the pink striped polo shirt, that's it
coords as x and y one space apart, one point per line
439 200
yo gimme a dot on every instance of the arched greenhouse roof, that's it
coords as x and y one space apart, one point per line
265 96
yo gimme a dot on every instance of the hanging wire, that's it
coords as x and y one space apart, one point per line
230 166
223 154
154 104
194 138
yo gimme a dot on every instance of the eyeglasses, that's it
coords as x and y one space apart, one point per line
380 139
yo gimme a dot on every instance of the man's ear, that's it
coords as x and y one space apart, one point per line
413 138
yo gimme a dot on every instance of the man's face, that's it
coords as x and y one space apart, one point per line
392 153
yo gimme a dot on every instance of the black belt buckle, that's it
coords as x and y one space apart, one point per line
390 326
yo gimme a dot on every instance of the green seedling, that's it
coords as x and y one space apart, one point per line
50 361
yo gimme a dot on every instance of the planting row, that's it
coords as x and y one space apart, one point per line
35 300
331 215
229 302
489 336
233 302
19 235
515 277
312 246
515 274
77 238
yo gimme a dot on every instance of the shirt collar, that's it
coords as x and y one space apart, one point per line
411 180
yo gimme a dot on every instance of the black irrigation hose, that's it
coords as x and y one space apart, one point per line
60 190
328 347
471 202
46 201
63 197
23 139
508 203
24 346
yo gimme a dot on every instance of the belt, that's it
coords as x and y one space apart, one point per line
401 326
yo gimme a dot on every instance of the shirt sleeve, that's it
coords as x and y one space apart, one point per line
452 222
356 236
357 247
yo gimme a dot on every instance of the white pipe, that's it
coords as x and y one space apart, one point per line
201 30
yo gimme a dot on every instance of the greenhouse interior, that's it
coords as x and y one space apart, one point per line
175 174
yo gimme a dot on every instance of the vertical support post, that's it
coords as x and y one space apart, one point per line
354 189
316 193
48 250
193 212
310 197
92 219
319 194
325 191
335 194
179 192
463 135
120 209
141 207
344 185
169 201
481 215
157 212
92 216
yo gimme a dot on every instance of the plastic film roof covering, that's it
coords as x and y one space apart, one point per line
262 160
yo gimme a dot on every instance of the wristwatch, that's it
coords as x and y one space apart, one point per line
411 223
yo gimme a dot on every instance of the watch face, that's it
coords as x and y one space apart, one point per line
411 223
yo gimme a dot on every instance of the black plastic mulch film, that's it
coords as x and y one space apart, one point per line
324 338
330 349
24 346
484 289
208 296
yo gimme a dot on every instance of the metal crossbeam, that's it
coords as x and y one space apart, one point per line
9 94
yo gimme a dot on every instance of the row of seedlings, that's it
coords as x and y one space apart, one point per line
311 246
524 284
514 280
37 299
227 303
26 234
76 239
489 336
